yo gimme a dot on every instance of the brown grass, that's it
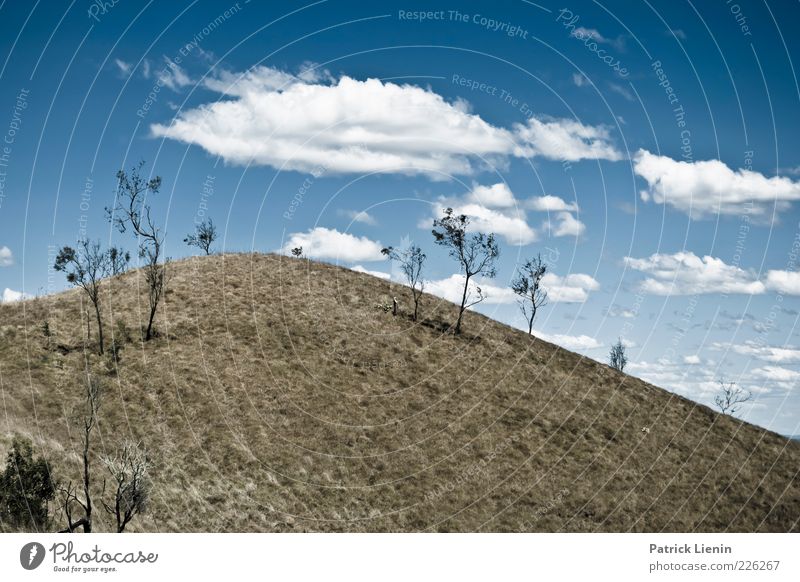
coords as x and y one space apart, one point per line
278 397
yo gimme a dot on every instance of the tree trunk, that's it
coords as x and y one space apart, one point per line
87 525
149 333
99 327
463 303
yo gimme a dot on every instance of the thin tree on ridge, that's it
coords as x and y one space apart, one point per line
475 252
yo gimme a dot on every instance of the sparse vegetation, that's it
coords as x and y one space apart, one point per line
203 236
528 286
731 397
411 260
264 419
475 252
617 358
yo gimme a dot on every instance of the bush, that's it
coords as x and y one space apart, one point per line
26 488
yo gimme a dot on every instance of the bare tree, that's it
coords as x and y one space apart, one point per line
616 357
297 252
203 236
731 397
132 211
85 267
528 285
129 471
411 262
118 259
476 254
71 498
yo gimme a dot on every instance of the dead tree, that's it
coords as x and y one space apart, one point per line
129 471
616 357
411 262
731 397
203 236
70 492
133 211
528 285
85 267
475 253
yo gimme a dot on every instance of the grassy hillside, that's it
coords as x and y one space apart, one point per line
279 397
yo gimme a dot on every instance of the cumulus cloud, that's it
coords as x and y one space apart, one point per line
6 257
572 288
767 353
692 360
10 296
619 311
684 273
491 209
705 188
787 282
550 203
452 287
359 216
379 274
326 243
564 224
300 122
571 342
567 139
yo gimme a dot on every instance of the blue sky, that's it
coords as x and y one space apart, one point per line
650 152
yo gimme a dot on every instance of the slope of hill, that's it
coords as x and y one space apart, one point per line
278 396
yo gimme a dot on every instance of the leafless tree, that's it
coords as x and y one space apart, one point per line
297 252
70 492
616 357
85 267
475 252
133 211
203 236
129 471
731 397
411 262
528 285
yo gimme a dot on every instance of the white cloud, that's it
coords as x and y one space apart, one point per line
6 257
776 354
359 216
573 288
692 360
571 342
379 274
549 203
564 224
704 188
783 377
567 139
619 311
787 282
349 126
452 288
124 68
10 296
173 75
491 209
684 273
326 243
580 79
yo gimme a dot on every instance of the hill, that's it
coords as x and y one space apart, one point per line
278 396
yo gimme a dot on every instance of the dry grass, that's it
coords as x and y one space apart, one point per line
279 398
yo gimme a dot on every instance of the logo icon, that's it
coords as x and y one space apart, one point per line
31 555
